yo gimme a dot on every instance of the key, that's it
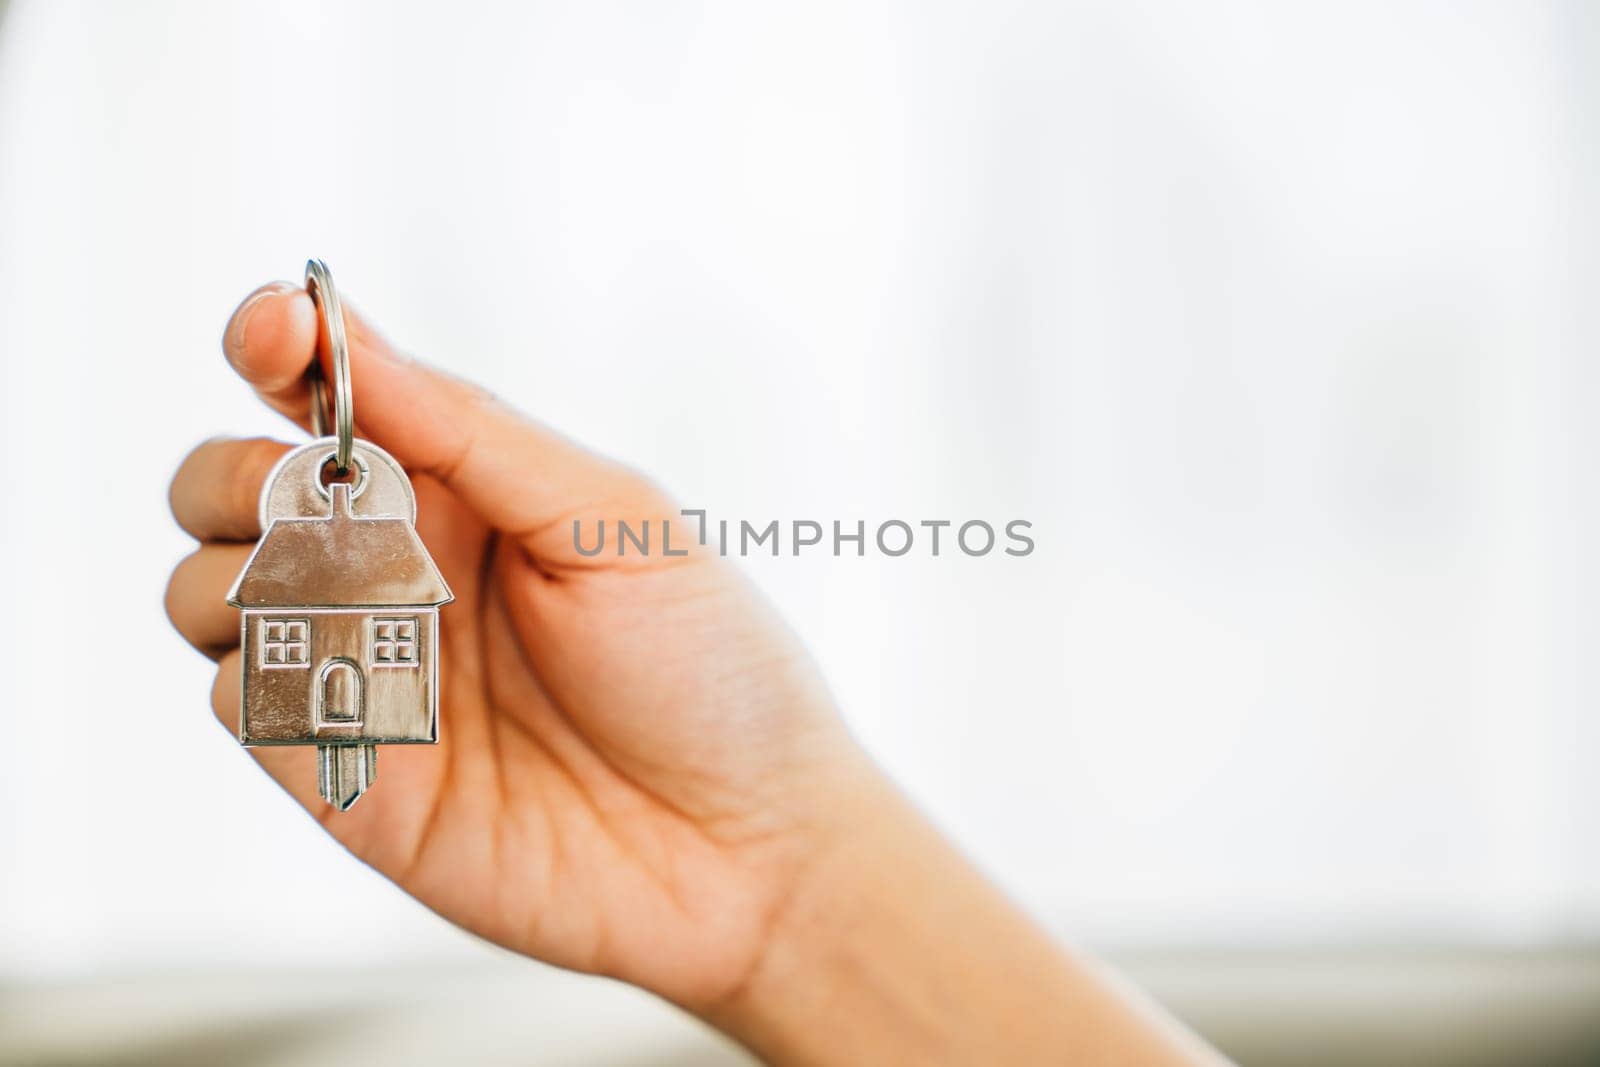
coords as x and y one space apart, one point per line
339 602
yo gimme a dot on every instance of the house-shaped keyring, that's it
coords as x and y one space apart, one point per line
340 628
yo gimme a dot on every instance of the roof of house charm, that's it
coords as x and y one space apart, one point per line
340 561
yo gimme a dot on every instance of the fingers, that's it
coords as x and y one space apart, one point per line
216 493
519 476
196 597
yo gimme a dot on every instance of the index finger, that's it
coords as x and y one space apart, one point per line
215 494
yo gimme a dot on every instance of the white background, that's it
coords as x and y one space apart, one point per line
1275 322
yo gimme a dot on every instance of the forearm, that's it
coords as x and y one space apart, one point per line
895 950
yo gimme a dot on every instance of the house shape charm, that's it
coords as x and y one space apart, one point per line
339 632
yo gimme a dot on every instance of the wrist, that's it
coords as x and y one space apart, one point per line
826 936
891 947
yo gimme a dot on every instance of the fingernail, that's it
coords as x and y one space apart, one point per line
233 340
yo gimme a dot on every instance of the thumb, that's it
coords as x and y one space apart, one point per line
521 477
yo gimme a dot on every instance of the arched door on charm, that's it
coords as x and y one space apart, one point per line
339 693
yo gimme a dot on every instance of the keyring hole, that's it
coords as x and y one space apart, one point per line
328 474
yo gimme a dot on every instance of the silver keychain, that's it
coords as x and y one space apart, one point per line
340 600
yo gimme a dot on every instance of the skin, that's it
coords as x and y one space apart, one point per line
641 773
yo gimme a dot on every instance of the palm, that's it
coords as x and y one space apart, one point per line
582 757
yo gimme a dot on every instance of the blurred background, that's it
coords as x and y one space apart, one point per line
1276 321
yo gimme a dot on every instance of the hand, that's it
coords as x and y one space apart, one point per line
639 773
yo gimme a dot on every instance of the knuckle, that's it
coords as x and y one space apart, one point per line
176 599
188 470
262 453
253 460
216 489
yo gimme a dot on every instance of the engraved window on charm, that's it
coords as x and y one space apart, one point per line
394 642
286 642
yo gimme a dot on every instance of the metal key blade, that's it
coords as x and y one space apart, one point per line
344 772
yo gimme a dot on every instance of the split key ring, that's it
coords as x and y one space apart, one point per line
330 324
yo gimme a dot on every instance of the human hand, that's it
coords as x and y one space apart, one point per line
634 753
640 773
